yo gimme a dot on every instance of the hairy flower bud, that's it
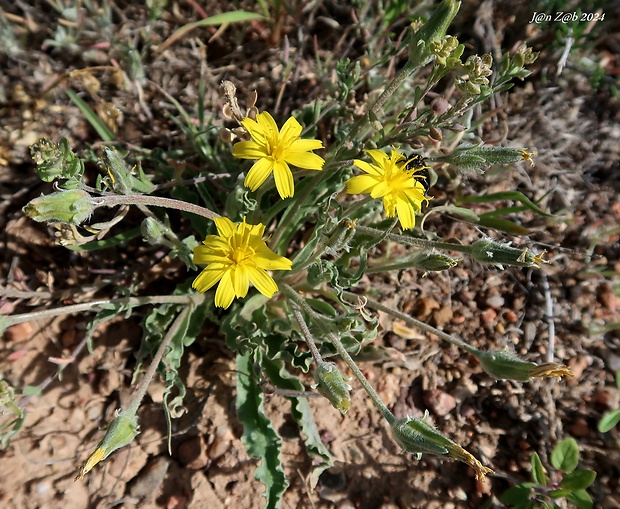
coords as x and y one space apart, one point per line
152 231
418 437
477 157
331 384
500 254
433 262
121 431
73 207
504 365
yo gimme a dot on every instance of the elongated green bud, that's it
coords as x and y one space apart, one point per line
504 365
331 384
121 431
500 254
73 207
152 231
477 158
433 262
418 437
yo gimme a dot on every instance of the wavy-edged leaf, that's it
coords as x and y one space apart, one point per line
260 439
301 411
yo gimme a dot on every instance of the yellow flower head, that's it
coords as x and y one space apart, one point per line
388 178
275 150
236 257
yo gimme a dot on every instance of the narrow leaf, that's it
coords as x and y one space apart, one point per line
219 19
507 195
505 225
538 471
92 117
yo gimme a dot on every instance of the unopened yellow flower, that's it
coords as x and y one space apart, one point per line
388 178
236 257
275 149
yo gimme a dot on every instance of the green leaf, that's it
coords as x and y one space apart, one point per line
467 214
581 499
518 496
92 117
505 225
555 494
609 421
507 195
578 480
260 439
538 471
322 307
565 456
218 19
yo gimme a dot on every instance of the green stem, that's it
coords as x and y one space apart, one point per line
307 335
400 76
155 201
150 372
412 241
335 340
415 323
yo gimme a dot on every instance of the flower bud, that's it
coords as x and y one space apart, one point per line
497 253
417 436
331 384
477 158
447 51
121 431
504 365
524 56
339 240
433 262
152 231
73 206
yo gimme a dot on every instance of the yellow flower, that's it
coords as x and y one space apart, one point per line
236 257
275 150
388 178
